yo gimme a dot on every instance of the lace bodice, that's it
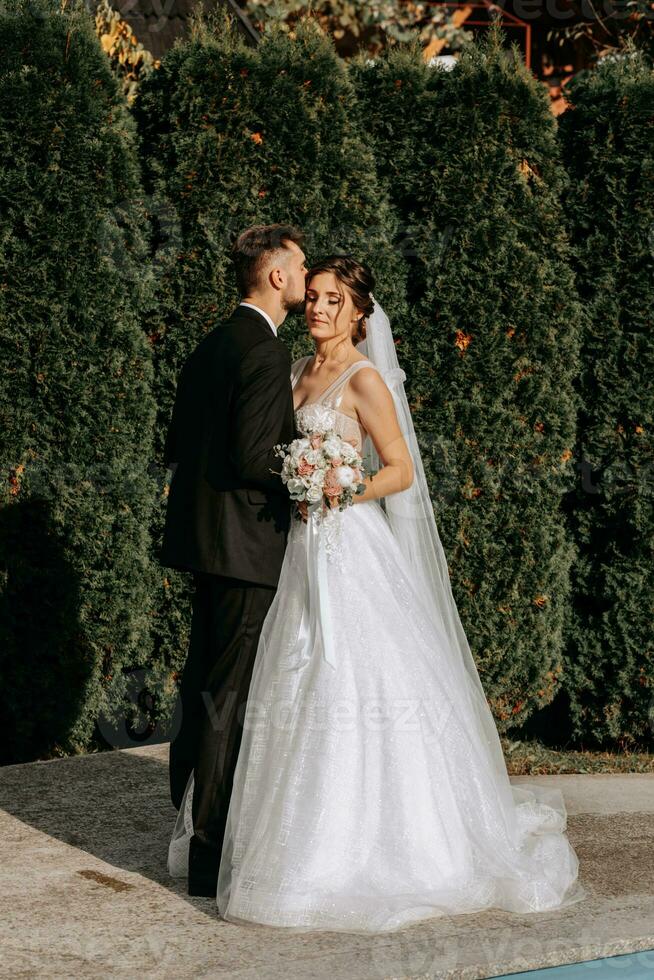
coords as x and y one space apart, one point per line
329 400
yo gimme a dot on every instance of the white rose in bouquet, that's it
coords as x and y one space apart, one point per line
312 456
349 453
298 448
332 445
314 494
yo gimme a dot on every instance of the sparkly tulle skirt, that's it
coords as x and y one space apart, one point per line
361 801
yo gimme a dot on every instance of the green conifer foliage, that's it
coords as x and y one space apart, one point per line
608 143
75 392
470 159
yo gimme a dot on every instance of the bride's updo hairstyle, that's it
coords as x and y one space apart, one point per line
358 279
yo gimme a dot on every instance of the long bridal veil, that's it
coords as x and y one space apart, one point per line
411 516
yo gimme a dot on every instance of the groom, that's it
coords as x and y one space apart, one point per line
227 520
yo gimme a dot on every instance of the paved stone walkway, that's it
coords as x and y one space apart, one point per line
84 890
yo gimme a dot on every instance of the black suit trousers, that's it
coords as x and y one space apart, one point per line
226 623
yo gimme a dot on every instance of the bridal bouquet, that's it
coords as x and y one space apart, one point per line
322 466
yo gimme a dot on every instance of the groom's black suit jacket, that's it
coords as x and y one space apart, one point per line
227 514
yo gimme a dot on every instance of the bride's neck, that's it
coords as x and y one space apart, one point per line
335 350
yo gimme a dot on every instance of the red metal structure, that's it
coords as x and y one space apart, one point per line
508 20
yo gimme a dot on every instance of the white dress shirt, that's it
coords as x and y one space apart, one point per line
263 313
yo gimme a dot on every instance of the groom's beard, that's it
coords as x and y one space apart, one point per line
295 306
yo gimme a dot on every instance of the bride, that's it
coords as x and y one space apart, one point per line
370 789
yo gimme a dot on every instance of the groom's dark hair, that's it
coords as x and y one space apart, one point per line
253 249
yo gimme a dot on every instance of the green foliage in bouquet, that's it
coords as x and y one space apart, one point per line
471 161
608 142
234 136
75 396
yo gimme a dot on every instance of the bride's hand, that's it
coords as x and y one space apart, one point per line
302 507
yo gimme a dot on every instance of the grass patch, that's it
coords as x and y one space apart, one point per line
532 758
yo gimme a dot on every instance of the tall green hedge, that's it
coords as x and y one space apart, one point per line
75 391
471 161
608 142
449 185
234 136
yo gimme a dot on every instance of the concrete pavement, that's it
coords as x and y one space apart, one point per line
85 891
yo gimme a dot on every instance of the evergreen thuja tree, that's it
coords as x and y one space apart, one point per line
320 156
470 159
75 392
608 143
235 136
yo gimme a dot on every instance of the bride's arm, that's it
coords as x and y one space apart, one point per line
375 407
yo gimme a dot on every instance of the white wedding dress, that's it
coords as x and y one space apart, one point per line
360 801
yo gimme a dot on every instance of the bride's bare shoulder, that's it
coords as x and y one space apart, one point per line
367 383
